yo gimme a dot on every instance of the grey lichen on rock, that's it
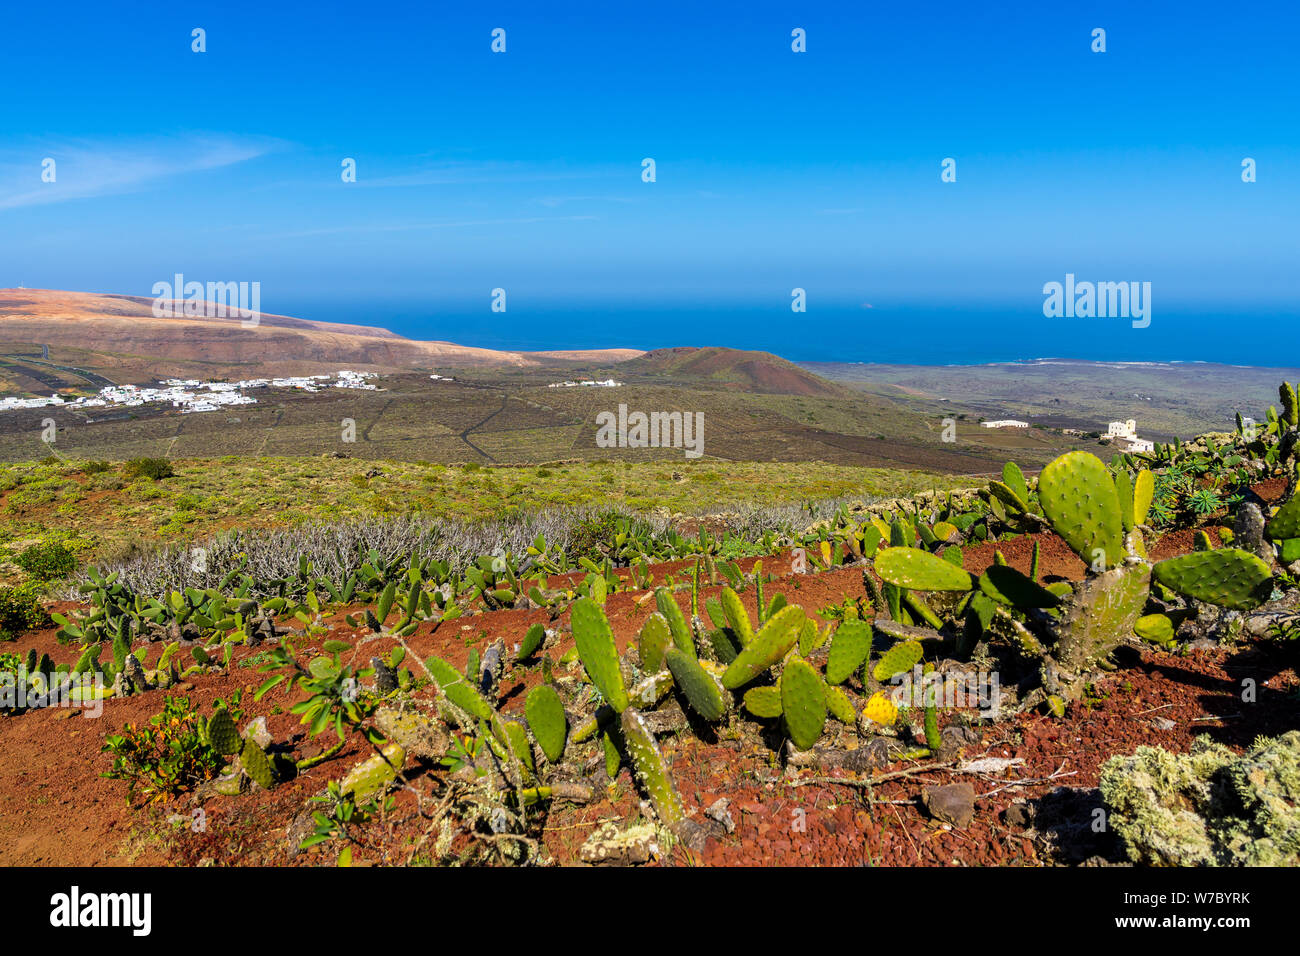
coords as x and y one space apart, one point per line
1209 807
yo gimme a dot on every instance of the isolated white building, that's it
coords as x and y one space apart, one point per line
1124 436
1005 423
1126 429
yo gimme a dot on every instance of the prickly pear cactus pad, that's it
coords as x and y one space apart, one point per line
899 659
1156 628
373 775
457 689
1286 522
701 689
257 765
763 701
653 641
1228 577
1008 496
849 648
920 571
803 703
1144 489
1101 612
1079 499
516 738
1014 479
651 770
1008 586
598 652
1124 488
737 619
841 708
770 644
223 735
677 625
546 719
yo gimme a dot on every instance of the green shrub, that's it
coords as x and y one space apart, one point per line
47 561
21 610
95 467
170 755
155 468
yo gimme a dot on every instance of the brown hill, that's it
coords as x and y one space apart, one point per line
125 331
729 369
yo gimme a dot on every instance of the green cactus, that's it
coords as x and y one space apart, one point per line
850 646
803 703
899 659
1124 489
374 775
677 625
516 738
546 719
921 571
1201 541
458 690
810 637
763 701
257 765
713 609
598 652
653 641
1287 393
1007 495
1079 500
1228 577
1156 628
701 689
841 708
933 740
1098 613
533 638
737 618
223 736
769 645
723 650
1008 586
613 758
651 770
1014 479
1285 523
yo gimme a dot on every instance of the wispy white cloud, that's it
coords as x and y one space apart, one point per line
86 169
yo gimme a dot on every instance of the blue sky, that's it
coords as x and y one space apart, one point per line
775 170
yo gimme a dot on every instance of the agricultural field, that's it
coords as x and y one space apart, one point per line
516 419
665 668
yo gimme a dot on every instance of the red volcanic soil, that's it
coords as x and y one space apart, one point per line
55 808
